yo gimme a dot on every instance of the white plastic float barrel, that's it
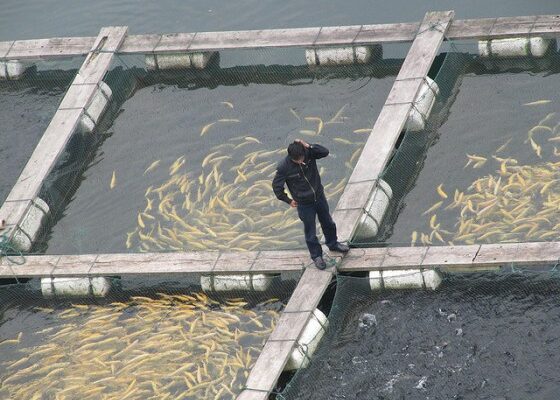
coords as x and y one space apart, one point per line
376 207
12 69
75 287
30 227
423 105
96 108
342 55
224 283
515 47
179 60
308 341
405 279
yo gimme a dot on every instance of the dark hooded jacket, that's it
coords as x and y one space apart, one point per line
303 181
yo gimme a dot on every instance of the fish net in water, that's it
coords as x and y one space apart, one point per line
150 338
27 105
184 160
479 336
484 168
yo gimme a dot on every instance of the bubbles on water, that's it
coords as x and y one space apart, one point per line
421 383
367 321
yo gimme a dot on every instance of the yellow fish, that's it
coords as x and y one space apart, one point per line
440 191
152 166
537 103
113 181
205 128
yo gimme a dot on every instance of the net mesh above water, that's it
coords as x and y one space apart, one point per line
484 168
184 160
150 337
479 336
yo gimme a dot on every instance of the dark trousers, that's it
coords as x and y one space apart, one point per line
307 213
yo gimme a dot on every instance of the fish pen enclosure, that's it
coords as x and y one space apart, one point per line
152 337
168 269
186 158
479 336
26 107
485 168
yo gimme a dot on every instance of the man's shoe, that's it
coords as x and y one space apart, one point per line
320 263
340 247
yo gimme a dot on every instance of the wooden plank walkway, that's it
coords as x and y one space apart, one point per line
349 210
136 264
61 127
464 258
467 29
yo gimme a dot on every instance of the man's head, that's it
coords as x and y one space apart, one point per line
296 151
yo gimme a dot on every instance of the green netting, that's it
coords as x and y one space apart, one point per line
183 160
484 168
26 107
150 337
479 336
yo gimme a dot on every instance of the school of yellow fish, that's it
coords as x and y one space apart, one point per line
517 203
227 203
169 346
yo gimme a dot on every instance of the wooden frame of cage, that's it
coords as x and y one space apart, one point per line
426 37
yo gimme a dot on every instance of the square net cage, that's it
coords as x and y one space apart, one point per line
28 102
184 159
483 168
164 336
479 336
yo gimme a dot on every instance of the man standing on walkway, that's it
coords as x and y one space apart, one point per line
299 172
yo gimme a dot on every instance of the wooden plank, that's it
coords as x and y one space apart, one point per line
404 257
280 261
4 48
496 254
470 28
72 265
310 289
513 25
51 48
154 263
346 222
483 28
40 266
235 261
290 326
174 43
269 365
302 37
387 33
345 34
458 256
426 45
404 91
134 44
62 126
43 159
356 194
77 96
12 210
363 259
381 142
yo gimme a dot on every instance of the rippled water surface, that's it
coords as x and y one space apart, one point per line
486 337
